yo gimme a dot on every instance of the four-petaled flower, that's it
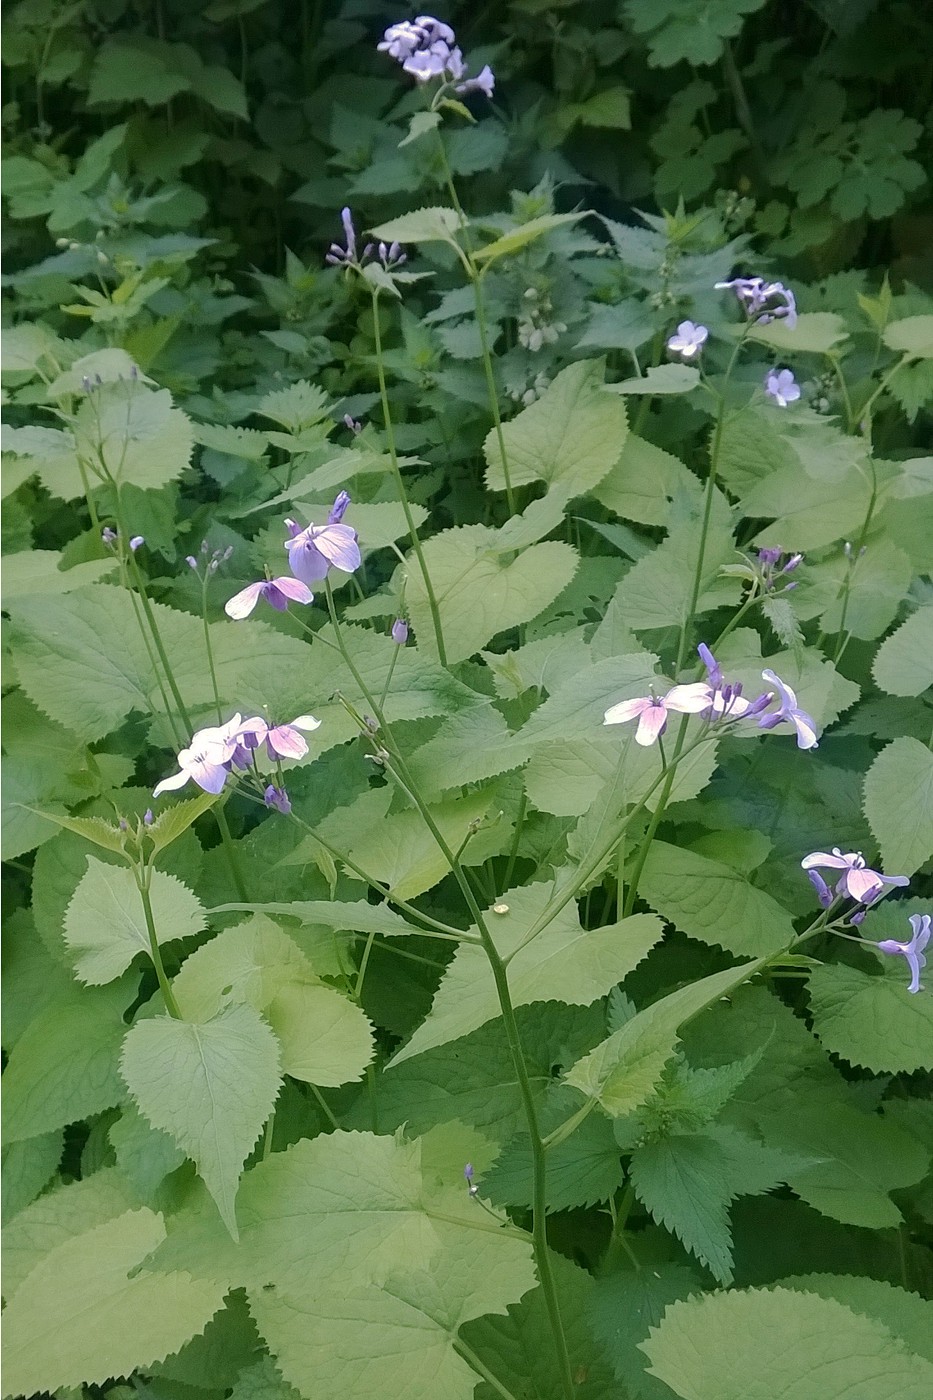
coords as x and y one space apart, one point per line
206 761
688 339
781 386
281 740
857 880
651 711
789 711
427 48
278 593
912 951
312 551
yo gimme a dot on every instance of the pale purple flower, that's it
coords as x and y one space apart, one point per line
789 712
763 301
281 740
425 64
484 82
207 760
857 880
401 40
400 631
136 541
912 952
312 551
353 424
768 561
688 339
108 536
781 386
278 593
339 256
278 798
651 711
468 1178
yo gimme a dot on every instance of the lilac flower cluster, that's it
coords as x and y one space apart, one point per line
427 49
769 561
865 886
781 386
214 752
390 255
717 701
212 559
111 539
763 301
311 552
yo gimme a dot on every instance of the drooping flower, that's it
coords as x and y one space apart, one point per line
339 256
688 339
790 712
207 759
484 82
281 740
278 593
781 386
857 880
312 551
713 669
823 893
912 951
278 798
400 631
651 711
763 301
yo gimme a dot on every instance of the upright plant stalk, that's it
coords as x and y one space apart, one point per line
400 484
476 282
168 996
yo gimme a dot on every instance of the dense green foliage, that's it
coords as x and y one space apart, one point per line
480 1040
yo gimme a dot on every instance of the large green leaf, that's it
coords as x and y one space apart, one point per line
801 1346
714 902
105 925
904 663
571 436
135 433
899 804
210 1086
88 1312
622 1071
325 1038
562 963
478 593
645 482
874 1022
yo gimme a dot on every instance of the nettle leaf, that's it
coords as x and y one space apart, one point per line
687 1182
713 902
720 1347
65 1065
904 662
623 1309
135 433
478 593
912 336
88 1312
622 1071
571 436
564 962
210 1086
857 1159
105 925
899 804
434 225
325 1038
583 1170
815 332
657 591
872 1021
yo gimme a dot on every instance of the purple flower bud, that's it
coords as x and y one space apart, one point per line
136 541
769 556
400 631
857 917
226 554
191 561
148 817
353 424
762 703
339 509
792 563
213 566
468 1178
134 372
349 233
108 536
293 528
278 798
124 824
86 384
823 893
713 669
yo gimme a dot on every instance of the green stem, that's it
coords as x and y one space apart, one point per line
513 1036
516 840
481 1369
707 511
230 850
400 485
656 818
325 1109
168 996
268 1135
479 300
157 639
866 407
209 648
853 565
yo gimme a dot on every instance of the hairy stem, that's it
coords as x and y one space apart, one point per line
168 996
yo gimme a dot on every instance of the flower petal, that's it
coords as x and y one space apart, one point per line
835 862
293 589
209 776
806 729
306 722
689 699
286 742
788 696
625 711
652 724
242 603
177 780
864 885
338 544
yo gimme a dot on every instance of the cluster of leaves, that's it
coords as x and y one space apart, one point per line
250 1053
